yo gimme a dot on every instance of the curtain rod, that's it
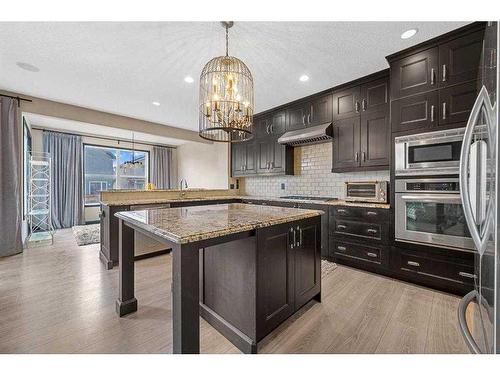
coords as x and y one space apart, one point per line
101 137
18 98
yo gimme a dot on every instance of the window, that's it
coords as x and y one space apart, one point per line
107 168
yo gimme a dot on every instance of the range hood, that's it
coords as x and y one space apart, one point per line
309 136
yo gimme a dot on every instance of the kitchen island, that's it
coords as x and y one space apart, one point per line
244 268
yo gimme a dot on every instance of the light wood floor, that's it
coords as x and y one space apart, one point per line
59 299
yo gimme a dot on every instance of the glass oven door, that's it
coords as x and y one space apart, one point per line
432 219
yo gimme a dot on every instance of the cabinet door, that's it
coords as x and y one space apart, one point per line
250 166
346 143
277 156
346 103
307 264
262 126
237 158
456 103
375 95
278 123
459 59
414 74
321 110
375 138
415 112
275 287
297 116
263 156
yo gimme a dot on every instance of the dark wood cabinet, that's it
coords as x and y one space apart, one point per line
415 74
346 103
243 161
375 138
273 158
346 137
459 59
278 123
375 95
321 110
415 112
261 126
456 103
297 116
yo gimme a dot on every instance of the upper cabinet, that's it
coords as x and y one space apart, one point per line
434 84
361 125
312 112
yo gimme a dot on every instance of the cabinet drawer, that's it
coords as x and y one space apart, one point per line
411 262
375 215
358 229
357 252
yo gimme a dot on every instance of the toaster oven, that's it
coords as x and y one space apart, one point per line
366 191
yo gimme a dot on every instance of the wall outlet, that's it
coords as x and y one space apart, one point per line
282 186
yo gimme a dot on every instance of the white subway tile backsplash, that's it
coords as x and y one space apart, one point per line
313 176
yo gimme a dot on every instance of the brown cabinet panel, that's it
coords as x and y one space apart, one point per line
264 149
358 252
374 215
297 116
262 126
277 157
459 59
415 112
456 103
358 229
346 103
321 110
346 135
278 123
375 95
414 74
307 264
375 138
243 158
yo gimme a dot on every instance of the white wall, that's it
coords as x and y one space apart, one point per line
203 165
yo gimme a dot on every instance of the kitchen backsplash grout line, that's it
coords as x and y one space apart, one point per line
313 176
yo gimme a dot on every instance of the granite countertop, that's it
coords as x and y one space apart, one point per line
126 202
333 202
190 224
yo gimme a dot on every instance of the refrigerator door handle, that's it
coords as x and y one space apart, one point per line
464 329
481 106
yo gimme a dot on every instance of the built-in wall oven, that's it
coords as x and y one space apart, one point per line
429 212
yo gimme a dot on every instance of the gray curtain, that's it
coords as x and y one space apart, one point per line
10 179
66 152
161 167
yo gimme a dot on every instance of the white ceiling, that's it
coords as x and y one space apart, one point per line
121 67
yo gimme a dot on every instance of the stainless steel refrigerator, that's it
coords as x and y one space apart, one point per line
478 312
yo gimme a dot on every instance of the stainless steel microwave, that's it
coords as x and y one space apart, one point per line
428 153
366 191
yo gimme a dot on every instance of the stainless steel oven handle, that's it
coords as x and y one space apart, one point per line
433 198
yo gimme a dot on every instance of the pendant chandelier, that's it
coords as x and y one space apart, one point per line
226 98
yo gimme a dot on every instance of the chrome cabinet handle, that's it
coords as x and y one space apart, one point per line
372 255
444 73
267 128
370 230
341 248
341 210
356 107
340 226
444 110
309 118
371 213
432 113
297 244
356 156
363 104
292 237
411 263
433 77
304 120
467 274
364 156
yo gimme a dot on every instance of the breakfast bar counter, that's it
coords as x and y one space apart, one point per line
244 268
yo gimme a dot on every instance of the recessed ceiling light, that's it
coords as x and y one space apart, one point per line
156 104
188 79
409 33
28 67
304 78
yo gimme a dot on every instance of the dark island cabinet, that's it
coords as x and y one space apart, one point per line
289 271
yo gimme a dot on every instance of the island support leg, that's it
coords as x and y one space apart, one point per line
126 302
185 299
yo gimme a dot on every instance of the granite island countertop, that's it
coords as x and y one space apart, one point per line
190 224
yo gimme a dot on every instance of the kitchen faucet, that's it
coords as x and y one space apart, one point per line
183 180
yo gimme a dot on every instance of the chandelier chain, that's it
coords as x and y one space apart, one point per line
227 40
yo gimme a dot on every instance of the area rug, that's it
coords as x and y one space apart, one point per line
327 267
87 234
